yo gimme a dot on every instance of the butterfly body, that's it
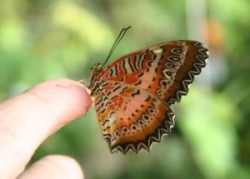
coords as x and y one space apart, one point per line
133 95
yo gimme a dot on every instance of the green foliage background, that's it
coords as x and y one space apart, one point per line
42 40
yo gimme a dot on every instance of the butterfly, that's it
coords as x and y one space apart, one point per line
133 95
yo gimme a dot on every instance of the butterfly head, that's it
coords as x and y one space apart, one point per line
94 82
96 69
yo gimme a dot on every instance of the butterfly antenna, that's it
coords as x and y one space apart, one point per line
118 39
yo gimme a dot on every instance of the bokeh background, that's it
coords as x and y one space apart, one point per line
42 40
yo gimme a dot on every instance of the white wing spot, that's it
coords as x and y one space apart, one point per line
157 51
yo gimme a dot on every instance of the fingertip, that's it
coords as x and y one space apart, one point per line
54 166
68 99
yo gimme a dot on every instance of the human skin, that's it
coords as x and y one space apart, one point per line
28 119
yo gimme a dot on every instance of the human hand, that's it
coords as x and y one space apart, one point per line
28 119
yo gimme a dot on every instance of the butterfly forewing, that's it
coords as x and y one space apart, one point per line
133 95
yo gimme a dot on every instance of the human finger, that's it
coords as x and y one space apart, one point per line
28 119
54 166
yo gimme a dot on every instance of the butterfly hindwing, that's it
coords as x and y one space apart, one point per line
132 118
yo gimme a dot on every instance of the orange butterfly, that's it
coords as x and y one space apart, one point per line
133 96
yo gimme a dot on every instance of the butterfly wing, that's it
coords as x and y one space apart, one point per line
135 93
132 118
